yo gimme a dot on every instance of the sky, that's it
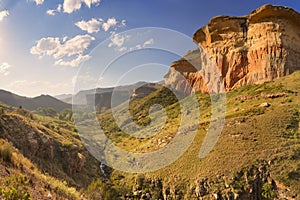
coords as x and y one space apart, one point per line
50 46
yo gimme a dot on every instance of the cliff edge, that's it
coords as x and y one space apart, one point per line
251 49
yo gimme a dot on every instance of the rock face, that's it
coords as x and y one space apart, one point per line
68 162
251 49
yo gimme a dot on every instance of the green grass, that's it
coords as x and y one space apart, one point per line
251 135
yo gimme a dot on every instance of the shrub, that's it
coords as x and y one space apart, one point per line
268 191
14 187
5 153
99 190
1 111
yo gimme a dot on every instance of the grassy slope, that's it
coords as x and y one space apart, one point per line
19 176
251 135
50 169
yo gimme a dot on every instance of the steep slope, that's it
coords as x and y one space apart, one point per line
51 144
43 101
21 179
255 48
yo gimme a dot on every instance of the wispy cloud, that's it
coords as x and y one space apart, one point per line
63 49
70 6
3 14
4 69
111 22
38 2
37 87
117 41
74 62
54 11
94 25
148 42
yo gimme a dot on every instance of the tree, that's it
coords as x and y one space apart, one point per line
47 112
66 114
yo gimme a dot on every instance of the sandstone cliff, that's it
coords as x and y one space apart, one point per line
251 49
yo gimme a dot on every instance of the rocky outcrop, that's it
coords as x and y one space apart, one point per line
63 160
252 49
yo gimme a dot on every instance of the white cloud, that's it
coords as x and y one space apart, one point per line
123 22
118 40
90 2
63 48
94 25
111 22
53 12
46 46
91 26
73 63
74 46
39 2
70 6
4 69
3 14
148 42
59 7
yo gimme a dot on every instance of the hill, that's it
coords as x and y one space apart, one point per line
42 155
256 156
43 101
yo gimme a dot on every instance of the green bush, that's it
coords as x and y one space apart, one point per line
268 191
14 187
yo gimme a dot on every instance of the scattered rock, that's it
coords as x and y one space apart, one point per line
265 104
49 196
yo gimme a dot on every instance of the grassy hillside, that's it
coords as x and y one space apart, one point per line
256 157
21 179
46 151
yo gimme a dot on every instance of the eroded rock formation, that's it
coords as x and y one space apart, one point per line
251 49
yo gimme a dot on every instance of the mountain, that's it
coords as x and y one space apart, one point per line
63 96
259 47
43 101
81 97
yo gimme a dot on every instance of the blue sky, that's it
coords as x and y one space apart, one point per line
44 43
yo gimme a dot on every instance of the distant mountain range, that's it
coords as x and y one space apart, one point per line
43 101
101 96
81 97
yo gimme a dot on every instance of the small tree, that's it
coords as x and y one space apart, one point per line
268 191
5 153
1 111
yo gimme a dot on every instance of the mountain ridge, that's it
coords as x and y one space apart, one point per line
42 101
